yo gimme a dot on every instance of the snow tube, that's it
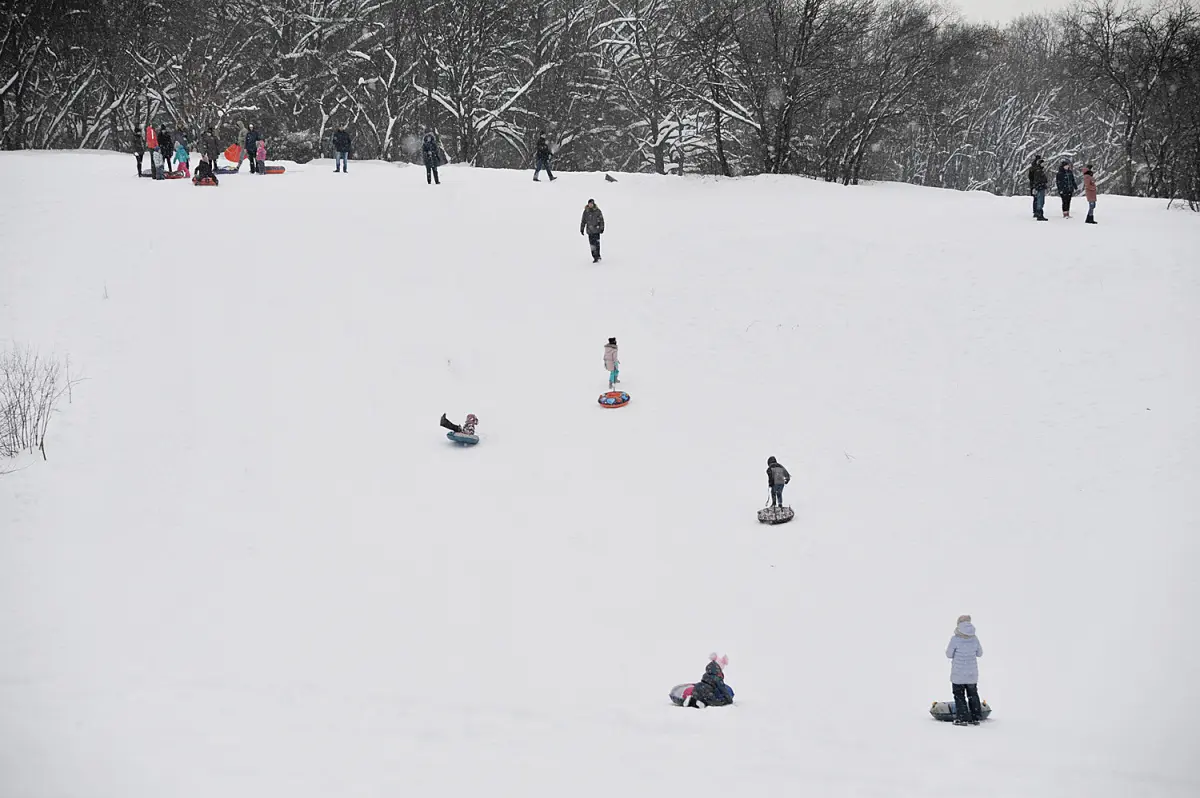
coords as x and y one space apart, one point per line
173 175
463 438
203 181
944 710
275 170
614 399
226 170
775 515
233 153
680 692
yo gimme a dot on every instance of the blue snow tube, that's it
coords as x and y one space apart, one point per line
463 438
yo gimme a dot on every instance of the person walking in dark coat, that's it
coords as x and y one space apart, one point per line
542 156
166 146
1065 182
341 150
209 147
139 148
431 154
777 478
593 223
251 147
1037 186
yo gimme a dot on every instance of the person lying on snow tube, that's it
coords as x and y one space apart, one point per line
204 171
711 690
467 428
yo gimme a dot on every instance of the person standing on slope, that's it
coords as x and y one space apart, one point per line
341 150
139 148
1064 181
1089 191
964 652
183 158
542 156
612 363
1037 186
209 147
431 154
593 222
251 148
166 145
777 478
260 155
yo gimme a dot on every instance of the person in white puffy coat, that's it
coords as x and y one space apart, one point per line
964 652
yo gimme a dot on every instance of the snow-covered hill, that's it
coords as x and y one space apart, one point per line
253 565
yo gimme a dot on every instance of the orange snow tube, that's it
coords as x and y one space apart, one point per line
233 153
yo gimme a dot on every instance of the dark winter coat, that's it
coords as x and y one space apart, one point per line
139 143
251 142
204 170
711 687
1037 177
1065 181
209 146
543 149
777 474
166 143
341 141
592 220
430 152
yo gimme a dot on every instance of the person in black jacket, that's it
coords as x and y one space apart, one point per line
1037 186
1064 181
711 690
431 154
542 156
209 147
251 143
341 150
139 148
777 478
166 146
204 171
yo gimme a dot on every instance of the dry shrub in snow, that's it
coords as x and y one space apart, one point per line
30 387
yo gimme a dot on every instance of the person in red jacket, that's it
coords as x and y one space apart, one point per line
1089 191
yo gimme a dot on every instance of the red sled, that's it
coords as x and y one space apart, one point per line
203 181
275 170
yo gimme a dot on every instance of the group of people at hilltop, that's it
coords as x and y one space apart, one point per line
1065 184
166 146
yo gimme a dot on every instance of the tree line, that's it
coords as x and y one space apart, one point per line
843 90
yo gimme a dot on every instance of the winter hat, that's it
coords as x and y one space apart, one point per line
591 202
612 341
722 660
771 460
471 419
964 619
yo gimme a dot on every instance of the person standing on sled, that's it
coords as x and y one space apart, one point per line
593 223
711 690
964 652
467 428
612 363
777 477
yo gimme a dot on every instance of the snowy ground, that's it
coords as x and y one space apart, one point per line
253 565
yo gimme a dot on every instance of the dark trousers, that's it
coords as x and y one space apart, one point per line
431 175
777 495
966 702
167 159
1066 198
253 164
594 240
543 163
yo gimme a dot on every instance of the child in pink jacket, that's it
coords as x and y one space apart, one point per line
261 156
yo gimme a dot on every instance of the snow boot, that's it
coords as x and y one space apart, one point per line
553 178
959 722
1089 220
1041 218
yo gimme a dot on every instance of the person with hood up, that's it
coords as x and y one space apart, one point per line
431 154
1037 186
209 147
964 652
260 155
1089 191
467 428
183 158
777 478
612 363
250 148
204 171
166 145
593 222
1064 181
341 150
139 149
711 690
542 156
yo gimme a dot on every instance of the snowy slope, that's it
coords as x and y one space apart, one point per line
253 565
